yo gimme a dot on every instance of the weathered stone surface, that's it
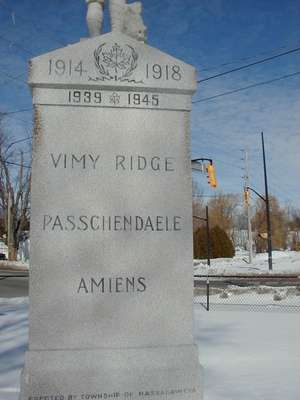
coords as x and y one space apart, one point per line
80 65
111 284
143 373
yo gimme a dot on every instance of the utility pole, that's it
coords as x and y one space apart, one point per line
208 258
269 228
247 184
206 219
207 237
9 221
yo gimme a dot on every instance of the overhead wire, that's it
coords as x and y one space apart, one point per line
286 186
16 45
14 78
210 144
205 79
17 164
205 99
18 141
37 29
5 113
15 117
247 58
12 114
249 65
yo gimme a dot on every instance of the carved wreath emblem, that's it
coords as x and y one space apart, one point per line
115 63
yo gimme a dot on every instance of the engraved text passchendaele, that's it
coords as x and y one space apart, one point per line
115 223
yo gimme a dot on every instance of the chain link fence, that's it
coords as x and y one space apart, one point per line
216 292
254 293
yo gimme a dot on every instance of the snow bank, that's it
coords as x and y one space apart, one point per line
13 344
246 356
284 262
14 266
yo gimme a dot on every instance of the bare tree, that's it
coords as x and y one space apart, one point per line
223 210
294 222
198 207
294 228
15 177
279 223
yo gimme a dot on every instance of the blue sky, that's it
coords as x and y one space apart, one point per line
212 35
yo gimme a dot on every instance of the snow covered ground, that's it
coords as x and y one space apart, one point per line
284 262
245 355
249 356
14 266
13 343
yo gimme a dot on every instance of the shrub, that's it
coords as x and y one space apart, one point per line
220 244
295 246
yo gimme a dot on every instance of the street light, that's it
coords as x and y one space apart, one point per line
269 237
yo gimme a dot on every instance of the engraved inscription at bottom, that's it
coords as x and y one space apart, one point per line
158 393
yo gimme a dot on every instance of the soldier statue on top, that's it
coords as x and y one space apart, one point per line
124 18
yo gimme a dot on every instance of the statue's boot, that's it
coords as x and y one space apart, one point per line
117 10
94 16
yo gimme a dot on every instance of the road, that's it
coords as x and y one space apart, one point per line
223 282
17 284
14 286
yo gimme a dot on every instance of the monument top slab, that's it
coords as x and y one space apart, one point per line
111 60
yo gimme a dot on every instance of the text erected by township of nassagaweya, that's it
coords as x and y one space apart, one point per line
186 391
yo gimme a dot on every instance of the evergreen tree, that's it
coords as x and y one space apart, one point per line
220 244
200 243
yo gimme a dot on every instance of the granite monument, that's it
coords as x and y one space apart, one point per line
111 276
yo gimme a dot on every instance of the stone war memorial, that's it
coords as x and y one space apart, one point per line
111 278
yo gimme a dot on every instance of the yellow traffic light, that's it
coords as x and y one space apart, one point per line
246 197
212 180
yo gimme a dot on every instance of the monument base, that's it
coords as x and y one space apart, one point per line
139 373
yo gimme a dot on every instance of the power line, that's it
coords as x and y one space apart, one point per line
205 195
18 141
210 145
38 30
277 183
16 44
209 135
17 164
211 138
226 162
246 87
262 53
14 78
13 116
250 65
15 111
